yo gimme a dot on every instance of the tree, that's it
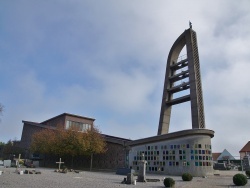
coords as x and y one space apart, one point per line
2 144
70 142
1 109
96 143
10 149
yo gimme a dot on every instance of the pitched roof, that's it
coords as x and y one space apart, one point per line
215 156
68 114
246 148
225 155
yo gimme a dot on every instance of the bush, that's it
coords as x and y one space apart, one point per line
169 182
240 179
187 177
248 173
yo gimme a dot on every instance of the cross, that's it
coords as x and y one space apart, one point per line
17 165
60 162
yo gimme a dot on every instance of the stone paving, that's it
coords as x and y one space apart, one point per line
50 179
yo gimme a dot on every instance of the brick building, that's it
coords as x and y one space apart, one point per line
115 157
245 151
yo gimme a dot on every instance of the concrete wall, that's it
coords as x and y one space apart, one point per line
191 153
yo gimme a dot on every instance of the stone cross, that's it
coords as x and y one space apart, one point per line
17 163
59 163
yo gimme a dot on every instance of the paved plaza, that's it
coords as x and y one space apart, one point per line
48 179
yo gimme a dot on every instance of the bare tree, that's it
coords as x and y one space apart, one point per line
1 109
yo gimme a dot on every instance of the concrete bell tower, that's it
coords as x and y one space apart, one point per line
177 80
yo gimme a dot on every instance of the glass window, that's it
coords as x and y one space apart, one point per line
170 163
192 157
77 125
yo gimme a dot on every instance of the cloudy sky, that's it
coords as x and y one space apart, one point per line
107 60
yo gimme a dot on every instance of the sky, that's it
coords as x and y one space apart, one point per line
107 60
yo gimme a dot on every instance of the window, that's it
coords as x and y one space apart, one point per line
77 125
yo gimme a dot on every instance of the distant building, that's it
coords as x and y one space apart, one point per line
225 155
115 156
215 156
245 151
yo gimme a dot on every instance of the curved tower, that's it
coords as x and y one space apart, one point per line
183 74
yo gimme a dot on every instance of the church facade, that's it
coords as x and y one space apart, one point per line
113 158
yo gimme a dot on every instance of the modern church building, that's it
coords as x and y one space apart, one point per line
168 153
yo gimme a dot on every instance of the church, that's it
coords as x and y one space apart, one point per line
167 153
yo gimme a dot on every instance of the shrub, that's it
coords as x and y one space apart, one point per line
169 182
248 173
240 179
187 177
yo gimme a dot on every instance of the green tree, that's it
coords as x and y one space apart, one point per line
10 149
2 144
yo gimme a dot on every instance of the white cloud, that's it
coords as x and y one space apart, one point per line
107 60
